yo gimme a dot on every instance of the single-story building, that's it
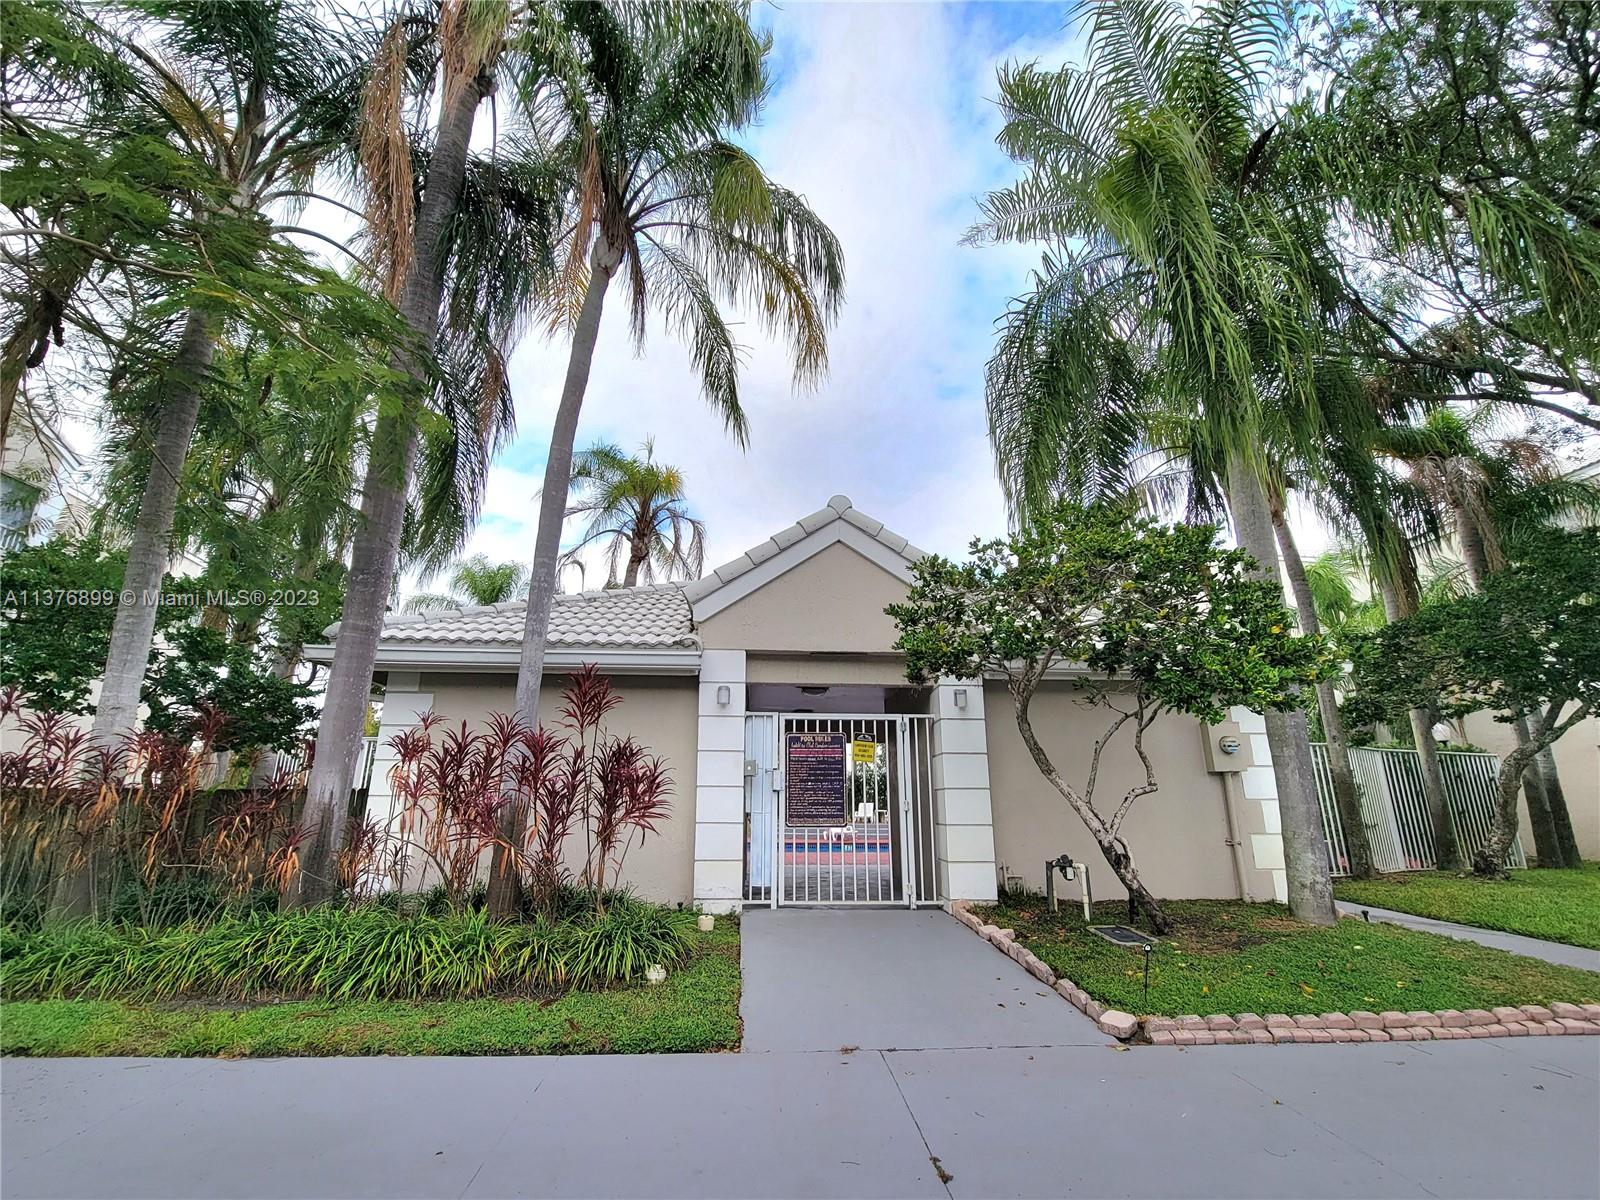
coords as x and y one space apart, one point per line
774 676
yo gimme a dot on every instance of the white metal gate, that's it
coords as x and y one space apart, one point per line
882 853
1394 805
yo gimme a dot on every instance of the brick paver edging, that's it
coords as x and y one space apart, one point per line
1533 1020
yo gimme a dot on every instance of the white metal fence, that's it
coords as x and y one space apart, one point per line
1394 807
881 853
292 763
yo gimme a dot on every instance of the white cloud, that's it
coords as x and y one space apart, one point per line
881 117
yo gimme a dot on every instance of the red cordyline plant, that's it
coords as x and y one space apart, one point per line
79 815
448 793
618 788
452 789
632 794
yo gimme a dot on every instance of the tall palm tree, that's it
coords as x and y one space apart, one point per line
1175 282
1172 476
414 241
637 507
261 93
688 222
685 219
475 580
236 102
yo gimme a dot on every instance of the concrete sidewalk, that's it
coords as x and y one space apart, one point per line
970 1079
1552 952
890 979
1498 1117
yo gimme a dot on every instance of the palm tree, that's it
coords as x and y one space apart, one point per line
245 96
475 580
259 93
686 220
413 240
1177 288
637 506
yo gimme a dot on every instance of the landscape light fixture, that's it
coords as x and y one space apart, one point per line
724 695
961 697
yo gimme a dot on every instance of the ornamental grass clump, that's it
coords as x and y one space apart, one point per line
366 953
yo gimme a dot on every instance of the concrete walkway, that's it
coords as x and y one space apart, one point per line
890 979
1553 952
1038 1104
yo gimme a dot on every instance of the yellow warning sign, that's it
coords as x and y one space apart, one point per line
864 752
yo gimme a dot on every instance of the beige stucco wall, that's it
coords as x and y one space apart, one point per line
1577 760
659 712
832 602
1178 836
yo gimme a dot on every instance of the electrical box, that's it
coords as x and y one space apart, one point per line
1227 749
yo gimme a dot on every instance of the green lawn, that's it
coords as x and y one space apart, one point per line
1558 905
696 1009
1231 957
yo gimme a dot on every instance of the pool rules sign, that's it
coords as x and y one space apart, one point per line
813 778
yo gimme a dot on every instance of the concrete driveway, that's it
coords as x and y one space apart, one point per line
891 979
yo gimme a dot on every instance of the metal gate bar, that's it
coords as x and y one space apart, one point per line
760 807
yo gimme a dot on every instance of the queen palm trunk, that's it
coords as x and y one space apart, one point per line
1547 848
1446 846
1305 845
133 628
603 262
1346 797
376 544
638 554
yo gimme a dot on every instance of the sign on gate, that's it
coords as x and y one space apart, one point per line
813 769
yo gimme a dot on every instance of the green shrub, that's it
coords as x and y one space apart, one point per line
367 953
176 900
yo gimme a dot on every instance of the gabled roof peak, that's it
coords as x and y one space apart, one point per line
839 509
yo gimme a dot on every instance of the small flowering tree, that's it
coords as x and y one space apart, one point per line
1151 619
1526 646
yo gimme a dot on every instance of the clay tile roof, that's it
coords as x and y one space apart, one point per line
654 617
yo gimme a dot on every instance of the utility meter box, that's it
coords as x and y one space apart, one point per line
1227 749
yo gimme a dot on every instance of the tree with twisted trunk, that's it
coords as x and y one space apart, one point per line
1142 618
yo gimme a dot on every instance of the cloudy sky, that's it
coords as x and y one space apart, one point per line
882 116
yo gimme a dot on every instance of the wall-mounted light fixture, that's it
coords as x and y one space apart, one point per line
724 695
960 696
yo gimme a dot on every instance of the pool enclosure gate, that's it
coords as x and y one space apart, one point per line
874 845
